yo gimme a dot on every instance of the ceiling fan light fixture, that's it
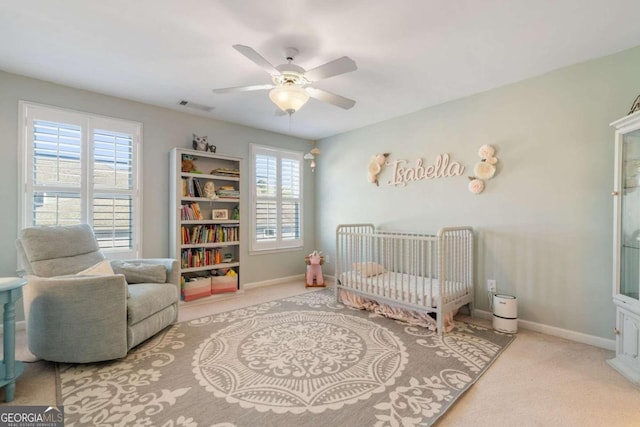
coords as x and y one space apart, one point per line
289 98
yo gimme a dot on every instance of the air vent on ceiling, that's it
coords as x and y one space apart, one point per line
193 105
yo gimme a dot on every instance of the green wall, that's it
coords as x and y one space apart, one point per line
544 222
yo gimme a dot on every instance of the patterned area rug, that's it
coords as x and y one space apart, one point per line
300 361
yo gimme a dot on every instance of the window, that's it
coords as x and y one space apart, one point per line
276 205
79 168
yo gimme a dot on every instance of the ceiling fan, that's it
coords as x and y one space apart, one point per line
293 85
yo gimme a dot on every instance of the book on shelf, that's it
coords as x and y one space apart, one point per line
201 257
185 187
198 189
190 189
212 233
196 210
226 172
191 211
228 191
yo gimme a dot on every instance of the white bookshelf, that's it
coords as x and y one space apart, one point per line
194 242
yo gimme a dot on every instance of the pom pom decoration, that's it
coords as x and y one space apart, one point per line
476 186
375 167
484 170
486 151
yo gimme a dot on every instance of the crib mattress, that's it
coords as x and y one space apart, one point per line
402 287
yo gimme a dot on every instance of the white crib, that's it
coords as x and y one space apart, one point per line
413 272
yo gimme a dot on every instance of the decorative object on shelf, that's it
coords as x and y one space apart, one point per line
200 143
635 106
375 167
485 169
187 165
235 215
219 214
210 190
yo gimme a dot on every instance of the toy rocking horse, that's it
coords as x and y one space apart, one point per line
314 270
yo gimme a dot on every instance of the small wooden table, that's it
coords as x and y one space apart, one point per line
10 369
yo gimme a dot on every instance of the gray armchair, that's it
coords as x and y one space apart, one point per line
88 318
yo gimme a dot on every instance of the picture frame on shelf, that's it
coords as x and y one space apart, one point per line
219 214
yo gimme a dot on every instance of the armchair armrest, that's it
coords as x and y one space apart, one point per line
172 273
170 264
76 319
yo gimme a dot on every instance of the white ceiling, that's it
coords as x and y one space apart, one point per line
411 54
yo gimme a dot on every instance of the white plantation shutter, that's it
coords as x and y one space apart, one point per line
266 204
79 168
56 173
113 181
290 188
276 198
56 154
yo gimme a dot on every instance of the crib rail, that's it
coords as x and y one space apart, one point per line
455 263
423 272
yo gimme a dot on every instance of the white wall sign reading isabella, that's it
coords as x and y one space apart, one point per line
442 167
403 173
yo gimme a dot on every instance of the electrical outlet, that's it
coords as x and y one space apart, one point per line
491 286
326 259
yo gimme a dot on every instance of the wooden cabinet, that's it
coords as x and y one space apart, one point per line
205 221
626 249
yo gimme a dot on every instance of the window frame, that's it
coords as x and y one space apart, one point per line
279 245
88 122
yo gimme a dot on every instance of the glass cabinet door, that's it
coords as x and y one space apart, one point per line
630 216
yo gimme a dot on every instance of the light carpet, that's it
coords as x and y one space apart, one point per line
299 361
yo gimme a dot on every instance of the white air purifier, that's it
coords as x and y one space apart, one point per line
505 313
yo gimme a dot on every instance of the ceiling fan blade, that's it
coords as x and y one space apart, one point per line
331 98
330 69
257 59
243 88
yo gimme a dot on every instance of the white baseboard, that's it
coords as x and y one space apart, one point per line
273 281
556 332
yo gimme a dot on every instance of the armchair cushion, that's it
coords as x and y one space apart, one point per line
101 268
58 251
149 298
140 272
